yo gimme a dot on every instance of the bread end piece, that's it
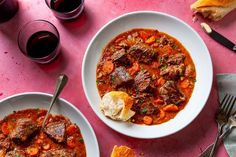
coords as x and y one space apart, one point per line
213 9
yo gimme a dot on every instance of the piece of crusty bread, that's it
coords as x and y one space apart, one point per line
122 151
117 105
213 9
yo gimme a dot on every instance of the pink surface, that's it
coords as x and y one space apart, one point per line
18 74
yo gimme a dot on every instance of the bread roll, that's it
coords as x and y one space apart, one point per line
122 151
213 9
117 105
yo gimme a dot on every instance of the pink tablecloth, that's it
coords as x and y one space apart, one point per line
18 74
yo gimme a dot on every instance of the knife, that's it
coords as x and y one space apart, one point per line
218 37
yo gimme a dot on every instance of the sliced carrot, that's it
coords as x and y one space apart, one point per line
160 81
2 152
158 101
119 39
134 69
143 35
185 83
70 130
171 108
155 65
108 67
5 128
39 141
46 146
71 142
147 120
162 114
32 150
41 135
150 40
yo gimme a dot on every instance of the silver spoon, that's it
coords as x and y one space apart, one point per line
61 82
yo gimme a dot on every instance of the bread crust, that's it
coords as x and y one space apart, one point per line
213 9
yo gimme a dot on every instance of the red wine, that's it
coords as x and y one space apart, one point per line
65 5
8 9
41 44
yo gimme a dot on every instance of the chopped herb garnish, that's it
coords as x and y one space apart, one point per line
141 100
192 78
181 74
13 120
112 78
144 110
81 140
175 46
163 67
158 40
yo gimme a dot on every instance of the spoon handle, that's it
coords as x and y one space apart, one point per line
61 82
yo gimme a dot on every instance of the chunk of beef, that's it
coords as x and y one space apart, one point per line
24 129
144 106
176 58
16 153
143 53
172 72
171 94
120 77
120 58
56 131
172 59
143 81
164 40
59 153
148 108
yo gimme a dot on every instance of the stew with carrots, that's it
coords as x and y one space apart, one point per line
21 136
154 68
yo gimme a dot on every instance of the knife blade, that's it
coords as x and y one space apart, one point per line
218 37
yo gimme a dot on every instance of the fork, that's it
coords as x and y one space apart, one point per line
229 126
222 116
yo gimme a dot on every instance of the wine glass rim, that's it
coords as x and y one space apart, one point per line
2 1
82 3
39 20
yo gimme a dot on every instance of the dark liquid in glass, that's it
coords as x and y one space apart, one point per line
65 5
8 9
41 44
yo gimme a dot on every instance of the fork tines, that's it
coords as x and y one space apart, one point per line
227 104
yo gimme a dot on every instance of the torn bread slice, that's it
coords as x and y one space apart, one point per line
122 151
213 9
117 105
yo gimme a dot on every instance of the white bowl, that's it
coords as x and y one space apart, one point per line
41 100
164 23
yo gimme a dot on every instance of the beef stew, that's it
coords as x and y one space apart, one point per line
21 136
154 68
